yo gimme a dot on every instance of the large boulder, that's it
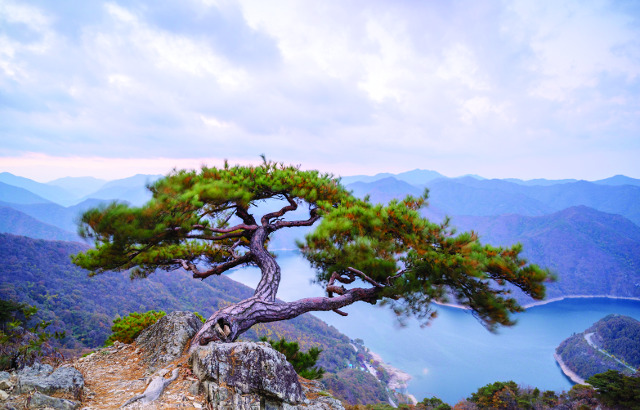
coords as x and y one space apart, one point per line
242 373
64 380
166 340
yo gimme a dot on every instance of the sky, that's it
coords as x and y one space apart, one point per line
522 89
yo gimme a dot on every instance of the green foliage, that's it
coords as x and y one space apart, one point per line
383 240
379 406
164 230
508 395
498 395
583 359
619 336
23 339
617 390
303 363
126 329
199 316
355 387
411 260
432 403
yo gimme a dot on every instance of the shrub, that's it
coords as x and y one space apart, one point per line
20 343
125 329
617 390
303 363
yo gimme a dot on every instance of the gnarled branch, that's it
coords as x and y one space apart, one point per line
243 213
216 270
308 222
226 230
291 207
365 277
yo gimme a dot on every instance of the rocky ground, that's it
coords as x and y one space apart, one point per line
116 374
238 376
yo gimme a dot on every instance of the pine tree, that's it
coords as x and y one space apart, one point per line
207 222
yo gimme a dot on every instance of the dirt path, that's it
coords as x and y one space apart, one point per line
589 338
114 375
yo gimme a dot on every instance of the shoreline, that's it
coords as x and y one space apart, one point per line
399 378
568 372
552 300
561 298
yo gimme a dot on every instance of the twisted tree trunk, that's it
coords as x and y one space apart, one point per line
230 322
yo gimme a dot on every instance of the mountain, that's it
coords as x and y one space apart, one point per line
418 176
365 178
592 252
414 177
17 195
40 273
132 189
469 196
62 217
384 190
17 223
612 343
48 192
78 186
540 181
618 180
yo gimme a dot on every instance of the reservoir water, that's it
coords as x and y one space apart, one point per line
456 355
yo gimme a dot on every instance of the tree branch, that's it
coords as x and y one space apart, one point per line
244 214
291 207
216 270
227 230
286 224
237 234
365 277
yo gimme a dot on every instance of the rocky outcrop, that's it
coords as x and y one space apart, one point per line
166 340
246 375
42 401
41 377
33 387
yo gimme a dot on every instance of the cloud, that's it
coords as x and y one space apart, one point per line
363 86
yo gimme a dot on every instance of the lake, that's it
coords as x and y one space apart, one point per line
456 355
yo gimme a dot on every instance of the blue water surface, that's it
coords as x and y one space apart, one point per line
456 355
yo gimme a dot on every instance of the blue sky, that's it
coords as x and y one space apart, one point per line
523 89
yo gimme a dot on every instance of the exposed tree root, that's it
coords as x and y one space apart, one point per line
154 389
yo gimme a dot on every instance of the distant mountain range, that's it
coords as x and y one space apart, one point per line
592 252
73 190
485 197
587 232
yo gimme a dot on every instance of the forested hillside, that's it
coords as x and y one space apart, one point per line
40 273
612 343
591 252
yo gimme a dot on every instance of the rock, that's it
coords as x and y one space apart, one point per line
41 401
246 369
3 395
5 384
44 379
165 340
321 400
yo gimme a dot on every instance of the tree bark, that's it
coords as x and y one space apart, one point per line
230 322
